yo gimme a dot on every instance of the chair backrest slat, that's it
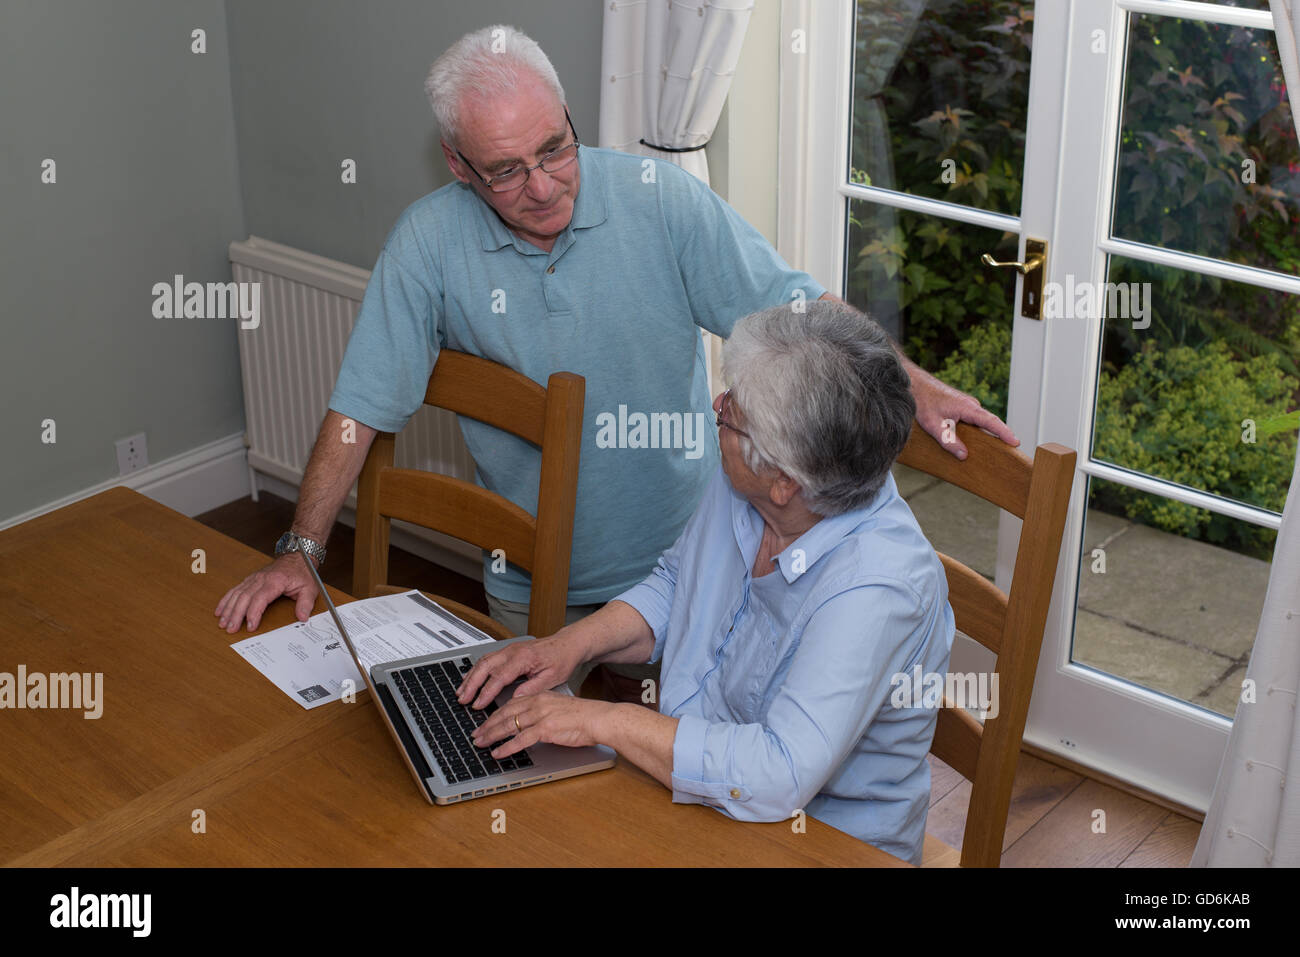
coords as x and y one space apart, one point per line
957 740
993 470
550 418
459 509
514 404
979 606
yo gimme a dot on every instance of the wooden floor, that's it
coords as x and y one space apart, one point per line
1053 820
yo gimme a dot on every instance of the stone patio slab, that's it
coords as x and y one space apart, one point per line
1181 588
909 481
959 524
1156 663
1223 697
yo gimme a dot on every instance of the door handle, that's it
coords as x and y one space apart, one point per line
1033 268
1033 262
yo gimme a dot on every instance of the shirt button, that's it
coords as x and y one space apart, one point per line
735 792
550 270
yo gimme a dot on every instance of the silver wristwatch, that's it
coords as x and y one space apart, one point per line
293 542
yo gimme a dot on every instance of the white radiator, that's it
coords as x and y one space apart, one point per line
289 364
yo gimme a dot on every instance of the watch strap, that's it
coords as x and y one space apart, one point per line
291 541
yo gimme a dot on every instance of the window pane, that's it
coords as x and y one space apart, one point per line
1208 159
920 277
1164 611
940 98
1197 385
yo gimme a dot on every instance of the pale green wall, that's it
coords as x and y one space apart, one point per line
164 157
318 81
142 133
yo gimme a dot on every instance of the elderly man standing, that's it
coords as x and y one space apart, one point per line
546 255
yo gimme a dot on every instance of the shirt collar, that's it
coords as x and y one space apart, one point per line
588 209
805 551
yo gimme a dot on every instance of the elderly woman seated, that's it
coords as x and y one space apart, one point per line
798 589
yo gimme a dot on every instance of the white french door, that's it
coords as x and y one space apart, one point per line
1126 126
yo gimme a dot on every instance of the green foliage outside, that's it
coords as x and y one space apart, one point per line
1205 111
1200 100
1172 413
1177 413
960 54
982 366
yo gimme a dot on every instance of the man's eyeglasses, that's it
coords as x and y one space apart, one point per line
515 177
723 414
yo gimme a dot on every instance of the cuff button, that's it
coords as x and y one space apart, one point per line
735 792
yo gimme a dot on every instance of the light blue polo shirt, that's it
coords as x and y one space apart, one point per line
650 255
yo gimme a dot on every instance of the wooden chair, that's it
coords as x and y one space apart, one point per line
551 419
1009 625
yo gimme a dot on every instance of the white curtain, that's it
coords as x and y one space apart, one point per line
666 68
1254 818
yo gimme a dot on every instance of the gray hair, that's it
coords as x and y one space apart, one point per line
824 398
488 62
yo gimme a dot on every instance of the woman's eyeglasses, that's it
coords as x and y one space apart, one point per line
723 415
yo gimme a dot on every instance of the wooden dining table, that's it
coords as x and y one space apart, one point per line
196 759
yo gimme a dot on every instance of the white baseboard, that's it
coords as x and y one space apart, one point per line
191 483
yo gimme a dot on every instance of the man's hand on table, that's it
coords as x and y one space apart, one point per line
546 662
248 600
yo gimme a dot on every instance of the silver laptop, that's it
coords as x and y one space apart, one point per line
432 729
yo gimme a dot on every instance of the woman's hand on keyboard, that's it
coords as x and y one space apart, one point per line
544 662
548 718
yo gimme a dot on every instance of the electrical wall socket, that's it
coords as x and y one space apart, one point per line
132 454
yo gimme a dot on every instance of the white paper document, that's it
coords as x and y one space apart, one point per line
309 662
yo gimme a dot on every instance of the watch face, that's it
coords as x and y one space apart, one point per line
289 542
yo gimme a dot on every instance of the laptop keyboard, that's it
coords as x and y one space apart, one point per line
430 694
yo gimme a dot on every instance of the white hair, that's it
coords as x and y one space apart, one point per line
824 399
486 62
